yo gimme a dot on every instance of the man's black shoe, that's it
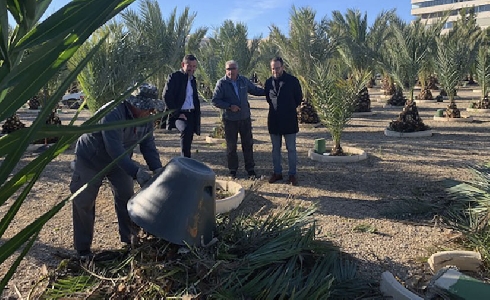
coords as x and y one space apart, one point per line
233 174
252 175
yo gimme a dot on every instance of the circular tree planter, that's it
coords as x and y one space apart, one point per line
354 155
454 120
415 134
479 110
363 114
426 101
393 106
229 203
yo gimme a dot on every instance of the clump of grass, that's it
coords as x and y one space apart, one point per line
365 228
222 193
273 257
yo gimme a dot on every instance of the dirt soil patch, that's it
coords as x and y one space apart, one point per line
368 194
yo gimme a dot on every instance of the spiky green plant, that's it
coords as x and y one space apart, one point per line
228 42
470 209
267 50
272 257
335 98
408 50
483 70
308 41
449 65
163 41
114 68
50 44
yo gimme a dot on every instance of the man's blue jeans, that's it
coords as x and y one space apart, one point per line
290 140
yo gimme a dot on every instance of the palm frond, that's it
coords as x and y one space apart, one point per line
469 211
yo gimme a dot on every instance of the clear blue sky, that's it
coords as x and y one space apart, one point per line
258 15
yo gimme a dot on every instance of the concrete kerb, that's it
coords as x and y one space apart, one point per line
229 203
356 155
390 287
478 110
416 134
454 120
463 260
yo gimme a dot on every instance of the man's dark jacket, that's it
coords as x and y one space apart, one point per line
283 101
174 97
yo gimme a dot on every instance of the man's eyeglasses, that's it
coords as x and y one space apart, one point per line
232 68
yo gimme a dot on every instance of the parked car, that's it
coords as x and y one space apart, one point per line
73 100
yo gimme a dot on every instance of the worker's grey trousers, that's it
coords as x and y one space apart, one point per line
84 203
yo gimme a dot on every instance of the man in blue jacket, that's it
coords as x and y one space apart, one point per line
180 96
231 95
94 151
284 95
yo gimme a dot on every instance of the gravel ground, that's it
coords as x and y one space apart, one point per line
374 192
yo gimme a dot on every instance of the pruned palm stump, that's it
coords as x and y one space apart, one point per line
408 123
396 100
388 86
363 103
53 119
452 114
432 84
362 106
14 123
34 103
482 106
307 113
425 94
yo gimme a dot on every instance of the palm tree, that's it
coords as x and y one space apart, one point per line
335 98
455 53
267 50
352 32
228 42
113 69
164 42
466 30
449 70
406 53
50 45
308 41
483 73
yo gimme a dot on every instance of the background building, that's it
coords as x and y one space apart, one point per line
430 10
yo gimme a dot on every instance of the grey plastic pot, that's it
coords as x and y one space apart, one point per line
178 205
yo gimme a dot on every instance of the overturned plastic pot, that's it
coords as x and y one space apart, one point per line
178 205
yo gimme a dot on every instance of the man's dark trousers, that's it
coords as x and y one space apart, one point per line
232 129
186 128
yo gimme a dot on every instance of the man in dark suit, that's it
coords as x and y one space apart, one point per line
284 95
181 97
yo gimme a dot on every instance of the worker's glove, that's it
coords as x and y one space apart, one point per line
157 171
142 177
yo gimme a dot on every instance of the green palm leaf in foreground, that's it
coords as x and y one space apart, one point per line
273 257
335 98
470 209
483 69
49 46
